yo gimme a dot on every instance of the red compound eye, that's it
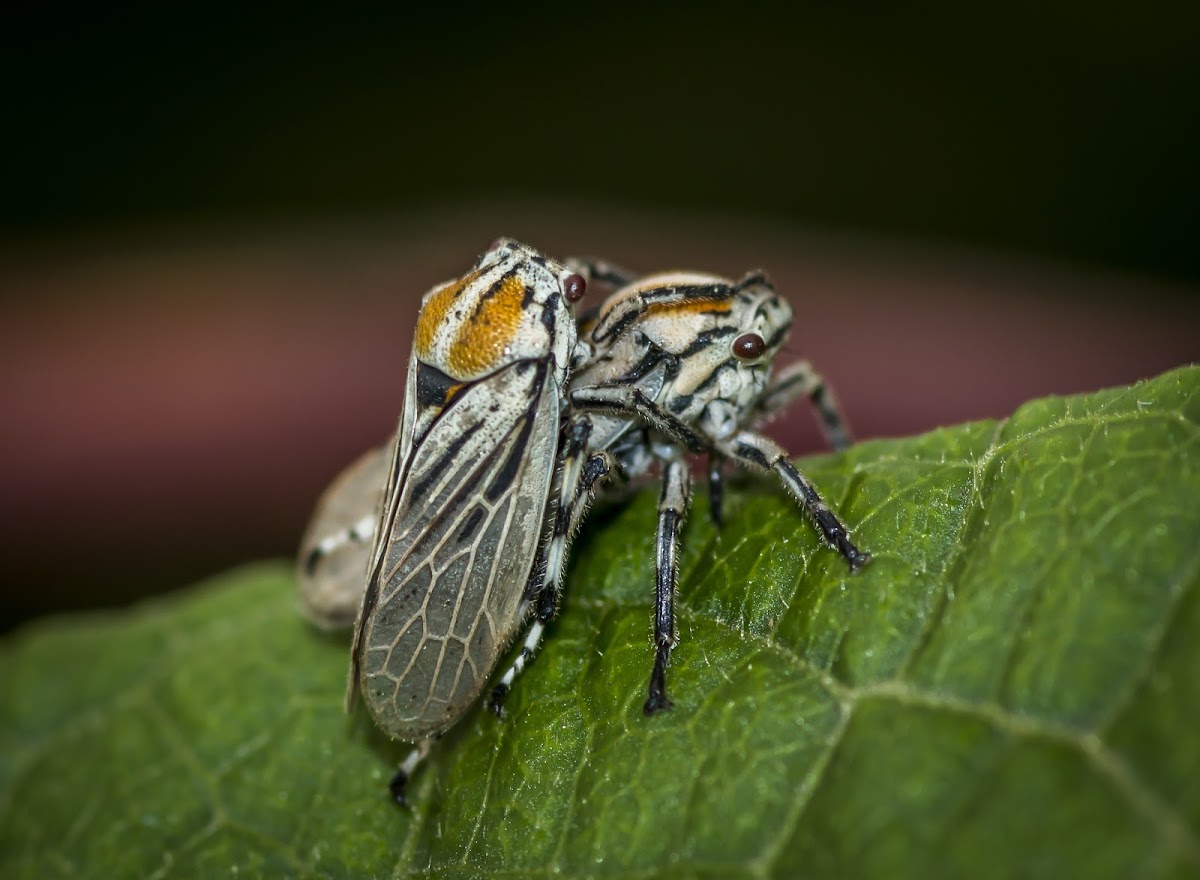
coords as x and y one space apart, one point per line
749 346
574 287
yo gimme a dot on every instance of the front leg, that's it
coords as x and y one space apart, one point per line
632 401
672 508
760 453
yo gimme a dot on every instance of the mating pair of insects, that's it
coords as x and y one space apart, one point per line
516 410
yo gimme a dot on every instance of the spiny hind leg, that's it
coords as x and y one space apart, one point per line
672 508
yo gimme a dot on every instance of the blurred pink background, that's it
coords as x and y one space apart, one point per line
173 407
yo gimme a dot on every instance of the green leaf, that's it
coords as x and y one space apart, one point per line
1011 688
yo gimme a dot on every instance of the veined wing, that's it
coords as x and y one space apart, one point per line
459 541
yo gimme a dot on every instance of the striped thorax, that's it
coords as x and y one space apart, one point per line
698 346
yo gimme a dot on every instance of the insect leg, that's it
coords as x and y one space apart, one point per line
533 640
672 507
624 400
758 452
400 780
799 379
577 480
716 488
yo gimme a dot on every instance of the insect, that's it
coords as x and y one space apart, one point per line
670 364
677 364
465 498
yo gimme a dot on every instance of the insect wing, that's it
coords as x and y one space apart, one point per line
460 532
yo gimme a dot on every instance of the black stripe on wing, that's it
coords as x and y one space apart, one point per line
455 512
505 460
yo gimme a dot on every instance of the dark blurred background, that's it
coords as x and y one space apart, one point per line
215 223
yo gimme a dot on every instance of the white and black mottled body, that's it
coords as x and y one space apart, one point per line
668 365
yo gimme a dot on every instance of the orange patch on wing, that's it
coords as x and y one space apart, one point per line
435 313
483 338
